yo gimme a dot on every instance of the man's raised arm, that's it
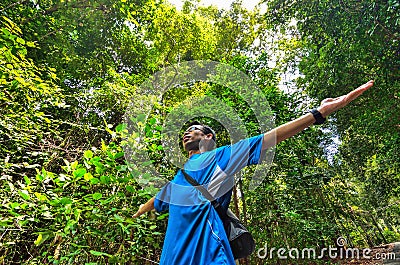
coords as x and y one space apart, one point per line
327 107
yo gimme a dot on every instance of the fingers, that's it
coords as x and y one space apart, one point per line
351 95
331 105
369 84
136 215
358 91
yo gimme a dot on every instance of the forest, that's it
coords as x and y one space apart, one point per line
70 70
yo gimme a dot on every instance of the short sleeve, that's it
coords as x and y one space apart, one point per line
234 157
162 198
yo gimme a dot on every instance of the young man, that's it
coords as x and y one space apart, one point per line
195 233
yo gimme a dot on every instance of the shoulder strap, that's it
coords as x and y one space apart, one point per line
221 212
203 190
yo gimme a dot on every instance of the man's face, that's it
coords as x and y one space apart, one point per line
192 137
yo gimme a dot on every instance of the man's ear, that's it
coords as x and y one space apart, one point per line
209 136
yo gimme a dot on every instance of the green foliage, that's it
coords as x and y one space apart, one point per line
337 46
29 99
80 215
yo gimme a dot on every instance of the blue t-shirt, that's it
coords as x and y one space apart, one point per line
195 233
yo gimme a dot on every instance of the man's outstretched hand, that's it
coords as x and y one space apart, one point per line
144 208
139 212
327 107
331 105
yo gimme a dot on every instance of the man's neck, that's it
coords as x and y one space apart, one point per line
192 152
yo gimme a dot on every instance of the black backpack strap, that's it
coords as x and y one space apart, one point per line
203 190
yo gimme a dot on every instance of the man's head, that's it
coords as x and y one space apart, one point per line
198 136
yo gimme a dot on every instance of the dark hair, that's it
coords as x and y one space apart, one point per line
207 129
